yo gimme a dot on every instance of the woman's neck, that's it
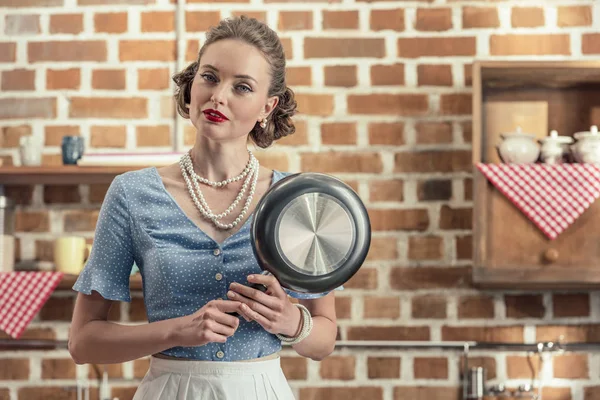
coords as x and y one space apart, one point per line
219 162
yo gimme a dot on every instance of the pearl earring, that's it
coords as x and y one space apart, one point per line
263 123
187 105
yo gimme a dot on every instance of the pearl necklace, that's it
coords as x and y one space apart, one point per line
226 181
192 181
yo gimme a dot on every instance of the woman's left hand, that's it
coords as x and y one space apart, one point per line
271 309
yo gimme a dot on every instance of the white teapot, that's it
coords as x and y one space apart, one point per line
554 148
587 147
518 148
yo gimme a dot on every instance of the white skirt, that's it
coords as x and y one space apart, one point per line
214 380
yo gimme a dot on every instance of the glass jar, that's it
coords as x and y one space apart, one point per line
7 235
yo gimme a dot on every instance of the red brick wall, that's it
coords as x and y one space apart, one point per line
385 103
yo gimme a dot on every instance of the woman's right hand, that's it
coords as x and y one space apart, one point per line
211 323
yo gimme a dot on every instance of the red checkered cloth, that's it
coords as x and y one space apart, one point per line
22 294
551 196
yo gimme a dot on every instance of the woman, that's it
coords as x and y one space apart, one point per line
187 228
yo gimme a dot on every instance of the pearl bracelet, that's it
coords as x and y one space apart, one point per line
307 324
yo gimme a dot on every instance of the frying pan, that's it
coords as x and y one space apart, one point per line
311 231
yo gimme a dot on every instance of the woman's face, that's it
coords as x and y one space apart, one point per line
229 92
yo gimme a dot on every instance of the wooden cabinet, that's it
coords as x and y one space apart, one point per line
509 250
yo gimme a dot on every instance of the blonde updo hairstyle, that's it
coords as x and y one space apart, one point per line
264 39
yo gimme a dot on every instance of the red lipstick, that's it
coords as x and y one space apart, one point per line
214 115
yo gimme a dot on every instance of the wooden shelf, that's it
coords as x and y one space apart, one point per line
67 282
57 175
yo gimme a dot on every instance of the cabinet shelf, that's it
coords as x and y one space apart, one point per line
60 175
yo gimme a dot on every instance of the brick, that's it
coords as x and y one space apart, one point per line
434 19
429 307
295 368
467 128
571 366
53 160
259 15
32 221
4 394
288 50
383 248
434 75
399 220
298 76
141 365
386 133
509 334
388 104
97 193
425 248
314 104
386 190
58 368
137 309
315 47
25 108
464 247
338 133
66 23
415 278
153 79
108 79
433 132
386 307
590 43
53 134
32 3
476 307
527 17
489 363
387 75
341 76
295 20
147 50
388 19
61 194
436 47
117 2
340 19
571 305
278 161
342 393
556 393
383 367
433 161
535 45
338 368
468 75
520 367
8 52
388 333
14 369
114 371
456 218
434 190
18 79
200 21
57 309
589 392
298 138
21 194
480 17
167 107
123 392
108 136
331 162
110 22
23 24
574 16
44 250
425 392
158 21
365 278
430 368
11 135
63 79
81 221
153 136
343 307
524 306
456 104
108 107
72 50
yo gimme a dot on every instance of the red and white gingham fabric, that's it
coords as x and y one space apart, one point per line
551 196
22 295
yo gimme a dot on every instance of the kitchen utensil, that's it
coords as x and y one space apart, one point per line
554 148
518 147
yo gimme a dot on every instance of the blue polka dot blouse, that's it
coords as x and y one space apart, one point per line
182 268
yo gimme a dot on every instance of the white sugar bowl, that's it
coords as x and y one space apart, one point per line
555 148
587 147
518 147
